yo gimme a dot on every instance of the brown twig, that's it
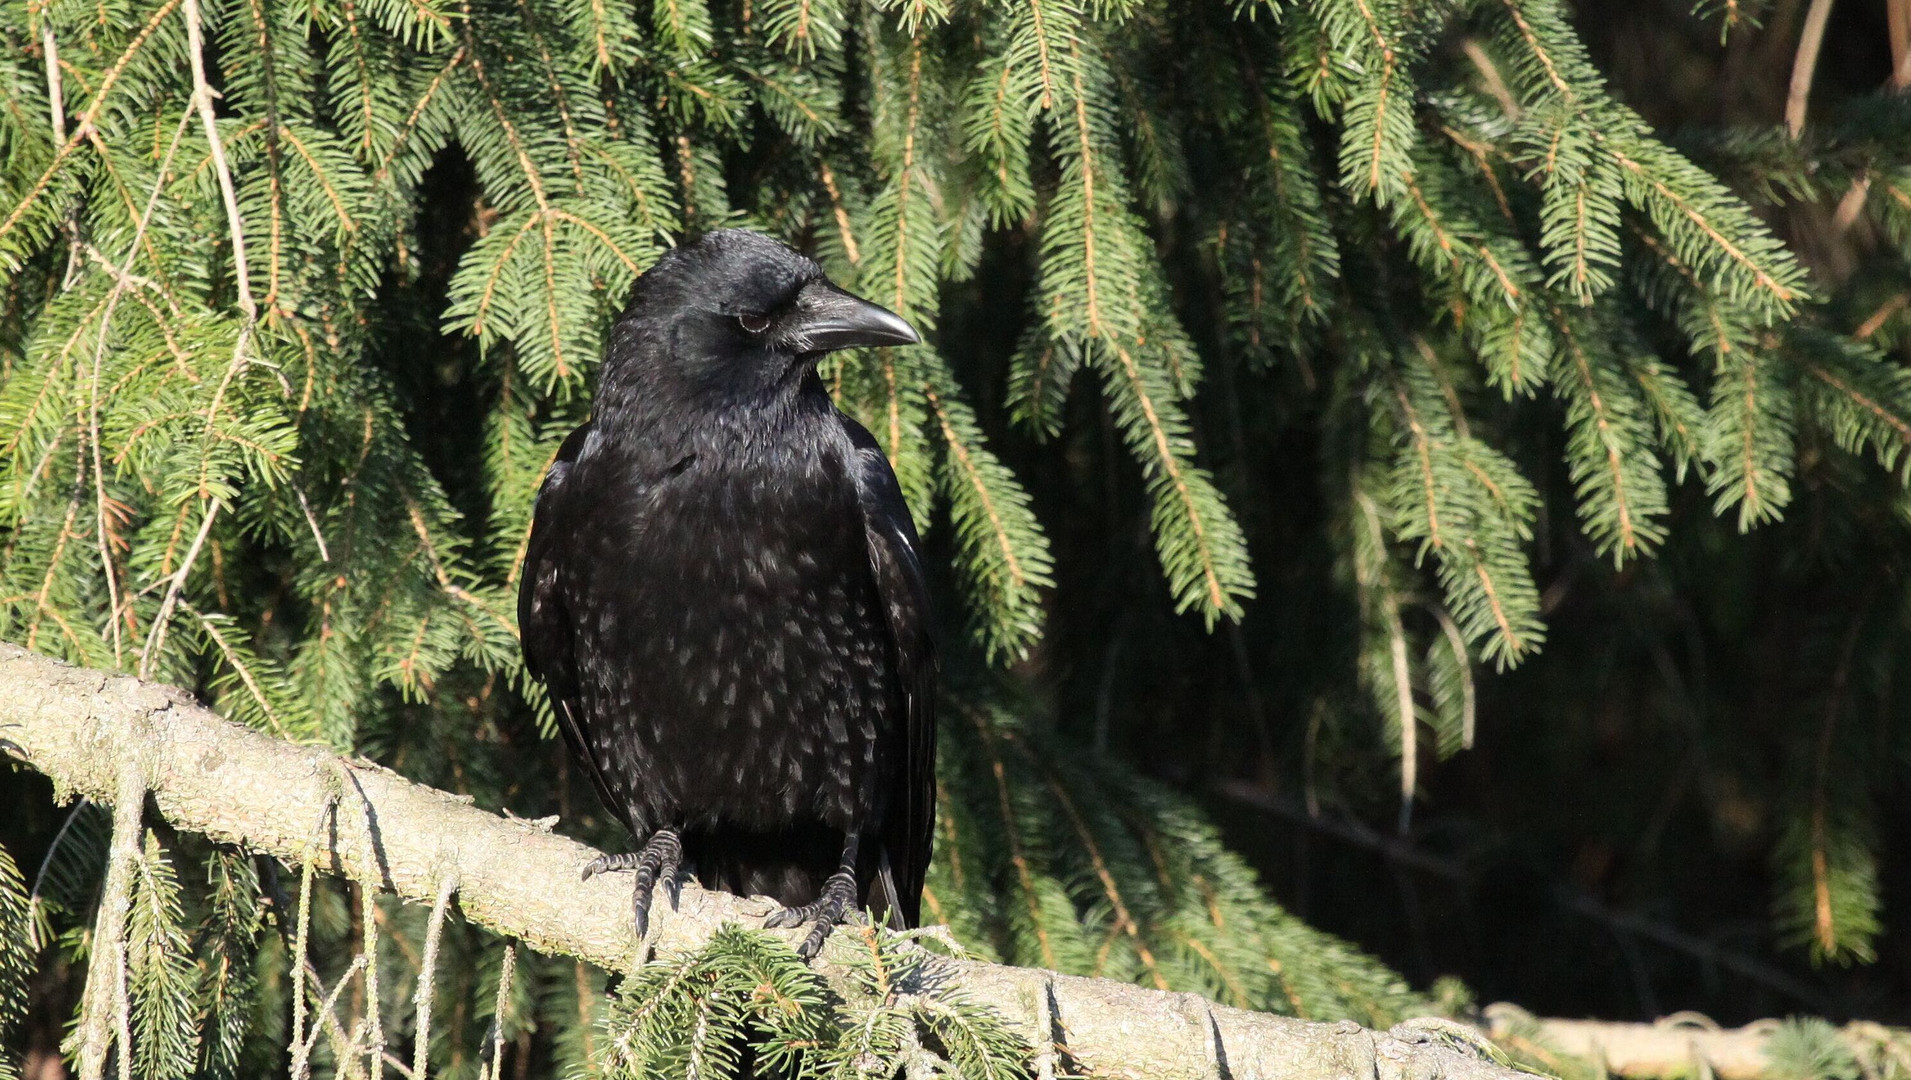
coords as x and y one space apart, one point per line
156 640
55 90
1805 65
1898 18
1490 75
1875 322
1681 1045
202 95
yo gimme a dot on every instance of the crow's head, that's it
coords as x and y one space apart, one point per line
739 314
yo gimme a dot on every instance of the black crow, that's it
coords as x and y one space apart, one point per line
722 594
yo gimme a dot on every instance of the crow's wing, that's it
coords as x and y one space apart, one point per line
908 830
544 621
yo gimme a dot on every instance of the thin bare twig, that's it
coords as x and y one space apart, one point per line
1805 65
303 1052
344 1044
202 95
1898 17
1850 205
55 92
506 970
427 971
1824 926
131 280
97 1028
1893 304
56 109
1490 75
374 1013
46 863
302 972
850 247
311 520
156 640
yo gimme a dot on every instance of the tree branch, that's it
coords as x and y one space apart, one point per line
202 95
1684 1045
1642 1050
1805 65
238 786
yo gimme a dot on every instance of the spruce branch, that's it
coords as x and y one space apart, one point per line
12 253
160 976
17 956
236 786
120 282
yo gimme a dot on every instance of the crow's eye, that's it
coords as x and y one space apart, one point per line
755 324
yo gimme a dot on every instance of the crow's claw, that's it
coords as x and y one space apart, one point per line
658 860
605 864
839 897
787 917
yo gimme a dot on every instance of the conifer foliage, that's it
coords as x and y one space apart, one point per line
225 270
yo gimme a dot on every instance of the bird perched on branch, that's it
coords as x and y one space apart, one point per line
722 594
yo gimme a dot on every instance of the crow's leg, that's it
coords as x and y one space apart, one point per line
658 861
838 898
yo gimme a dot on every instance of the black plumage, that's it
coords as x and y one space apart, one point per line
722 594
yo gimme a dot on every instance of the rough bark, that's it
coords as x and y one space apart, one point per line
85 729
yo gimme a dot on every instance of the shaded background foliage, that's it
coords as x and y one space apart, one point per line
1296 369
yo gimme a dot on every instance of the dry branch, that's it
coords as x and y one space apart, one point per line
207 775
1684 1045
1646 1050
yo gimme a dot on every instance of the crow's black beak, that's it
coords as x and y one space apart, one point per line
826 319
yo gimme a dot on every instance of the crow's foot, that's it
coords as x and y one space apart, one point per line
605 864
787 917
838 900
658 861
